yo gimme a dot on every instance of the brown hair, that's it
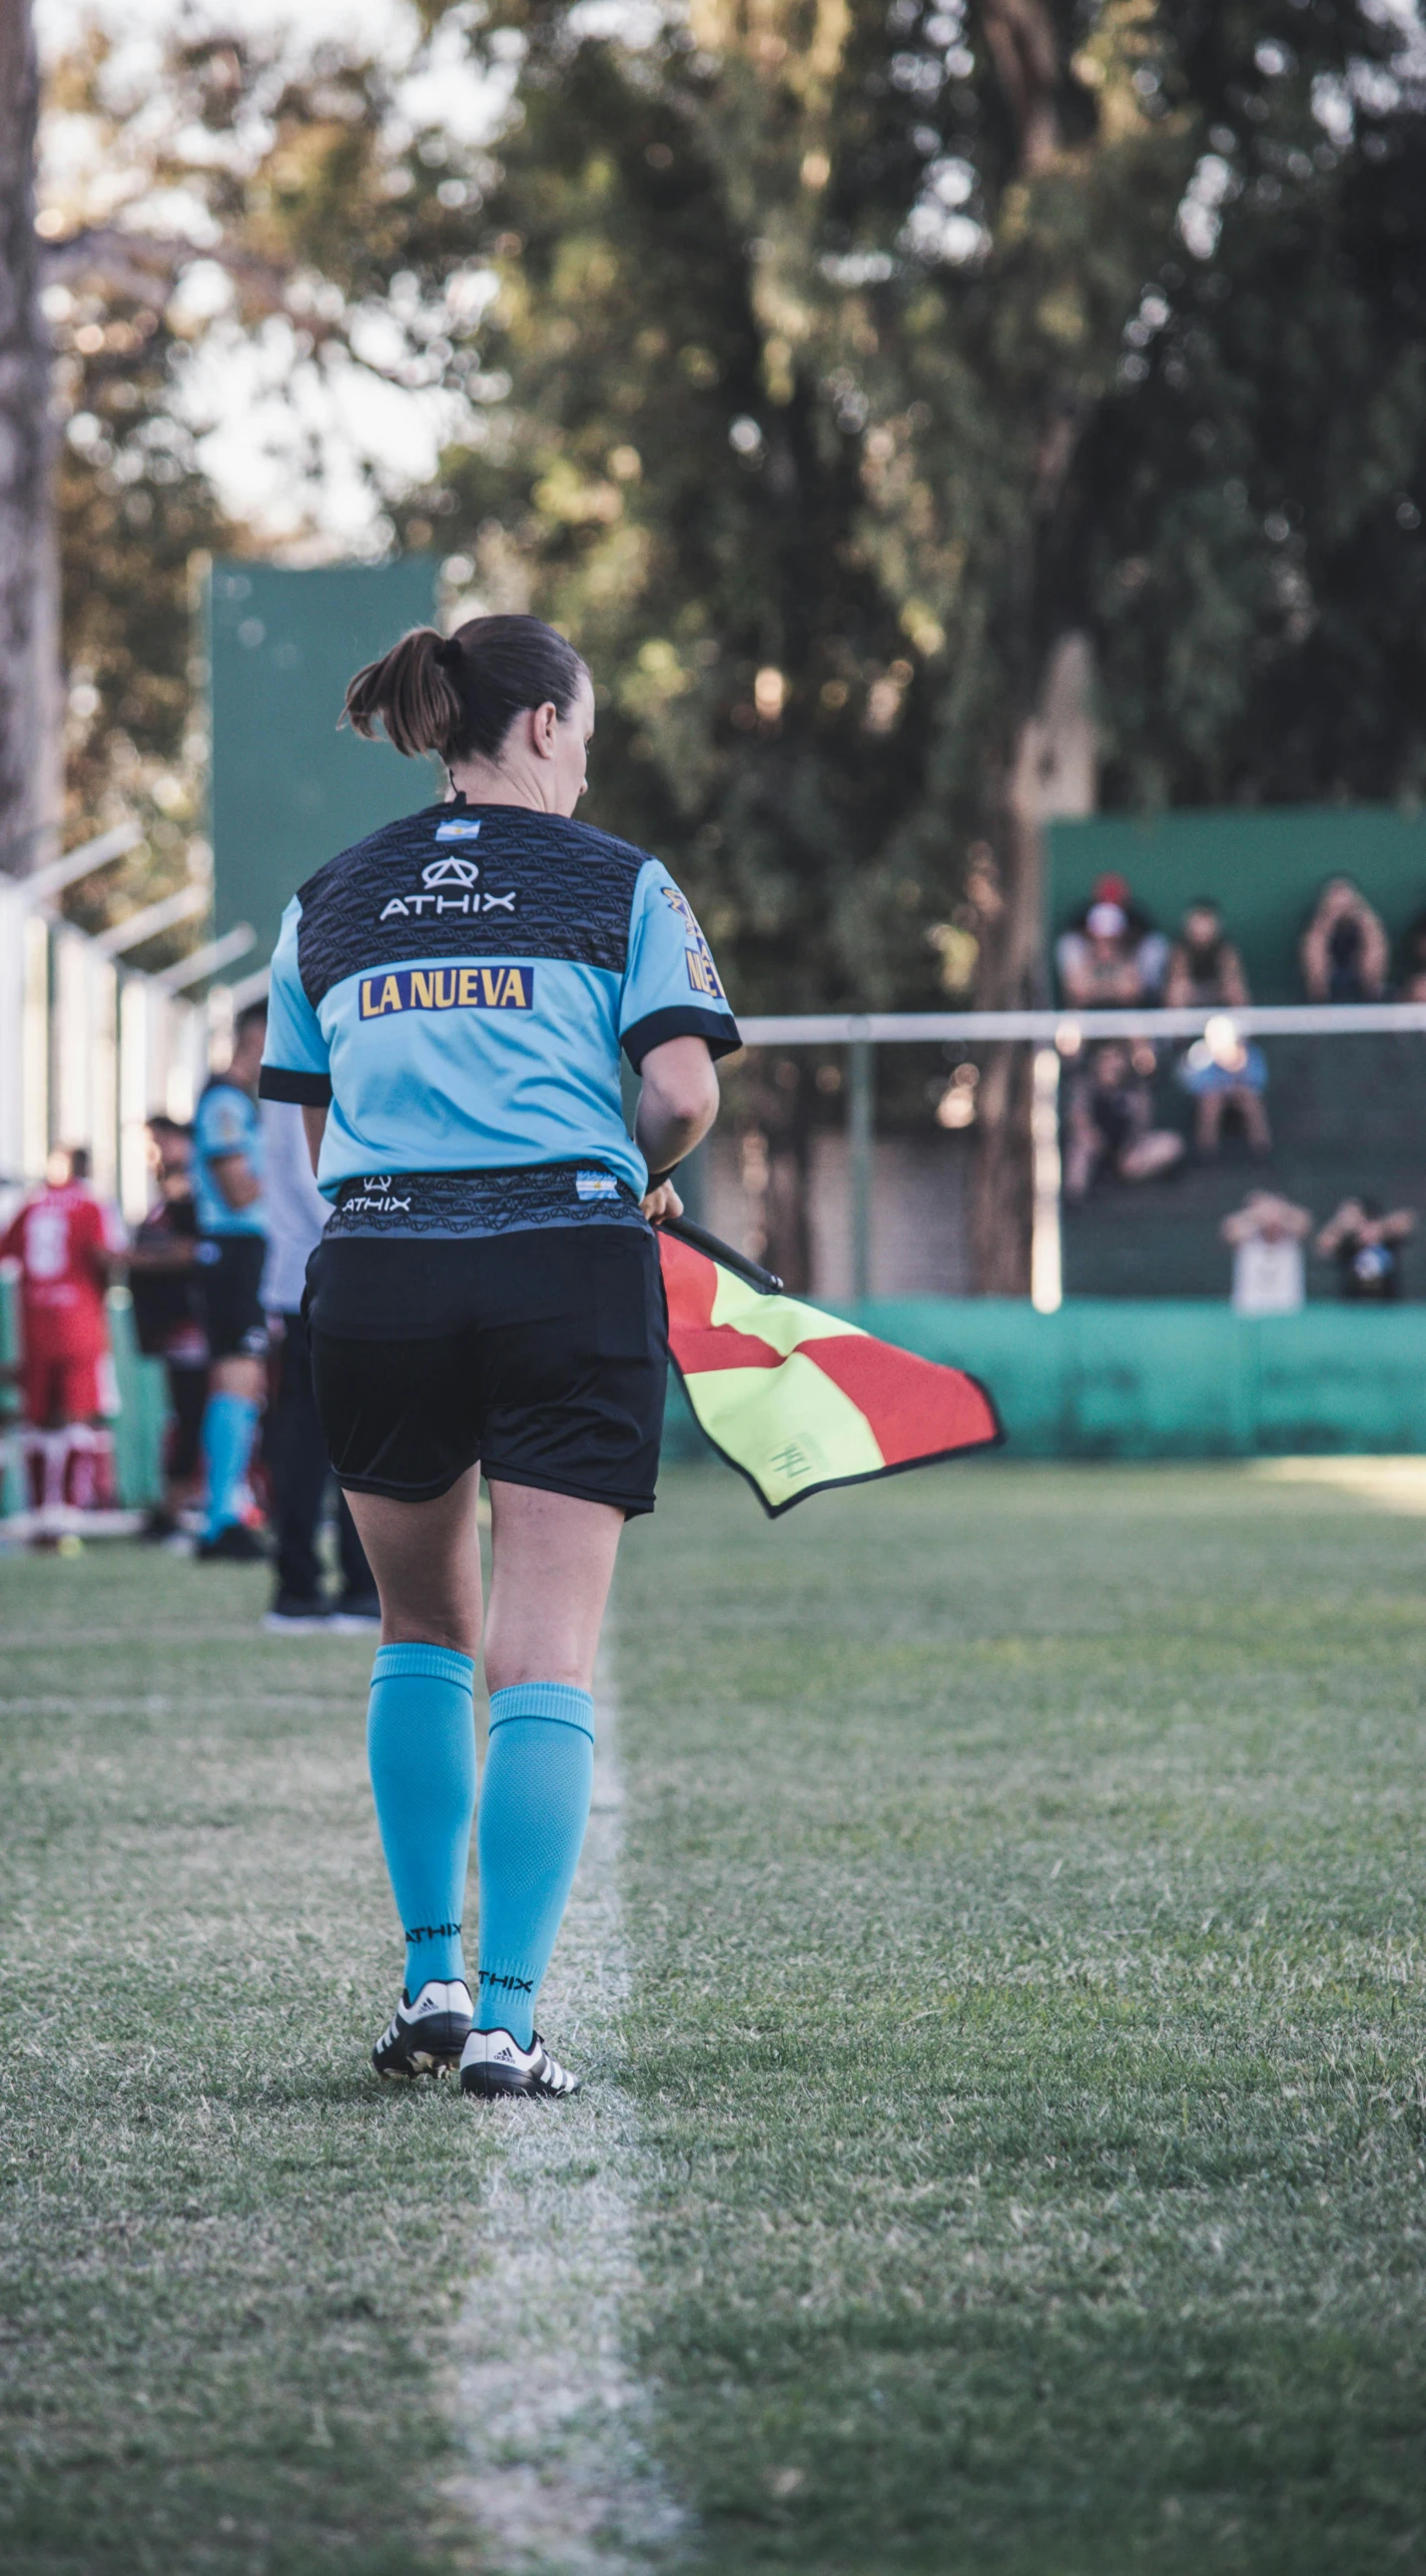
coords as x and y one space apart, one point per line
458 695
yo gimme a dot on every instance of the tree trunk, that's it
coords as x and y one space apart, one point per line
1025 51
29 680
1053 772
1001 1186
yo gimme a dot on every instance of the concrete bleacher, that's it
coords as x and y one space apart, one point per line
1348 1113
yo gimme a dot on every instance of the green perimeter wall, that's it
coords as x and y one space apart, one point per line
1265 868
1118 1377
1178 1378
1104 1378
289 790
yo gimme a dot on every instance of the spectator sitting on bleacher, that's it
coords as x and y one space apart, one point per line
1109 1124
1344 953
1110 953
1221 1071
1266 1234
1205 971
1363 1242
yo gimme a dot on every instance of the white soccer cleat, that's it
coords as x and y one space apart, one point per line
426 2037
492 2063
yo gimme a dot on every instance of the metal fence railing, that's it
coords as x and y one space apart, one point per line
90 1047
1056 1036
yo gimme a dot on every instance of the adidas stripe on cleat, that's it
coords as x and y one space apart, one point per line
493 2064
426 2037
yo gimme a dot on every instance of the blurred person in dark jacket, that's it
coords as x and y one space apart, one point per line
1365 1242
166 1285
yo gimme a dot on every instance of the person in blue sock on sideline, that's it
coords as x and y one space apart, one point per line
230 1251
448 1004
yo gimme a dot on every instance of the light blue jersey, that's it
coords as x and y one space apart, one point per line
457 990
226 1122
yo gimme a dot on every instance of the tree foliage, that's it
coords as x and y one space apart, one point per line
818 365
1245 524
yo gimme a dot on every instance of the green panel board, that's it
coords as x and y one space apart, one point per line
1179 1378
1264 868
289 790
1104 1378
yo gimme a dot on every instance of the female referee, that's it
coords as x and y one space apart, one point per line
448 1004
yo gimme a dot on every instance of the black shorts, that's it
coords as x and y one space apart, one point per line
542 1354
229 1269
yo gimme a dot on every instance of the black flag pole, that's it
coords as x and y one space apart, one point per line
687 1232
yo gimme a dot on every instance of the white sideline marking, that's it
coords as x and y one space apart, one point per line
1394 1484
560 2480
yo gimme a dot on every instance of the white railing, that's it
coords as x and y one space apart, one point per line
1068 1029
1054 1035
90 1048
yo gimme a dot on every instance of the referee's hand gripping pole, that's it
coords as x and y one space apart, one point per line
661 1203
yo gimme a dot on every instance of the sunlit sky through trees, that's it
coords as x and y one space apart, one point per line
289 448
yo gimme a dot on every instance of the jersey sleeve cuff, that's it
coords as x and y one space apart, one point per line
718 1030
308 1090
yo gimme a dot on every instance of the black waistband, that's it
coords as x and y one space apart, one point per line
427 1205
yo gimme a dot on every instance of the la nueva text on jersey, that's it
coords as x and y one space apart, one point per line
456 989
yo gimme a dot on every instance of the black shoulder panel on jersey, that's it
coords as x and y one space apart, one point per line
306 1090
483 880
718 1030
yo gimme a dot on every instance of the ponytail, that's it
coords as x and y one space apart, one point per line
412 691
458 695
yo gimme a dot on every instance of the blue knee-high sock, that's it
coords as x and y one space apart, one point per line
420 1743
229 1422
534 1805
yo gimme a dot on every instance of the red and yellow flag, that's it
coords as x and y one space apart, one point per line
797 1400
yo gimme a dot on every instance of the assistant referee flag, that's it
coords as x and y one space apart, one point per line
797 1400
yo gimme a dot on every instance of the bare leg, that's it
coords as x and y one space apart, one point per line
552 1564
1255 1120
553 1561
239 1376
1156 1152
426 1560
1209 1122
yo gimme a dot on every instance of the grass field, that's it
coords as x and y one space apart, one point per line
1022 1884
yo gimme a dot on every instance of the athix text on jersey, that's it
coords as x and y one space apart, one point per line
449 884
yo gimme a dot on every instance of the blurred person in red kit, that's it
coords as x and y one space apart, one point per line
67 1245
